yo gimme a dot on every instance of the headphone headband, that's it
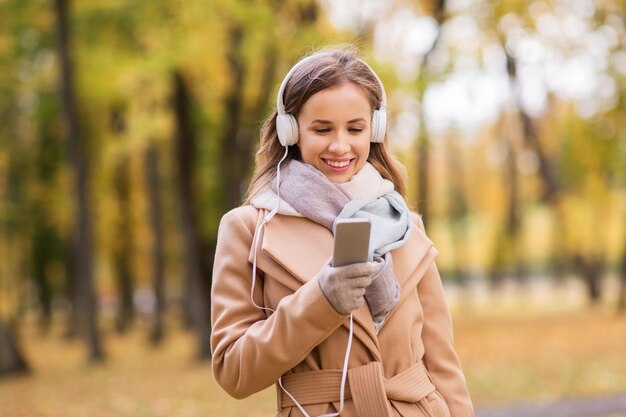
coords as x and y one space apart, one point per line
287 126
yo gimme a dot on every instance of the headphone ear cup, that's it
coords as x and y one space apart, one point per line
379 124
287 129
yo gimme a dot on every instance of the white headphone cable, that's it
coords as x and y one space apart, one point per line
344 374
255 240
255 243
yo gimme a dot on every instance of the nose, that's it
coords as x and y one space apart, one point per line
340 144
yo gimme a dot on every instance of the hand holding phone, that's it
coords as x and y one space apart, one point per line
344 281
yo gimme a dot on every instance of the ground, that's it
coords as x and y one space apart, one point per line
509 356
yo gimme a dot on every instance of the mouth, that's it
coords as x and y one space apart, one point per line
338 165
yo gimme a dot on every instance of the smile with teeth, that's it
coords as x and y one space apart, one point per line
338 164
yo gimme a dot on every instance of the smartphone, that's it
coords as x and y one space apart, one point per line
352 241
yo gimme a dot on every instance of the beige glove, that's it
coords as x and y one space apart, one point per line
344 286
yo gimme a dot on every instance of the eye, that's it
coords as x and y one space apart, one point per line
355 130
322 130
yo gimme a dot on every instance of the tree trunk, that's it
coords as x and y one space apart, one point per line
42 246
197 276
513 215
123 249
82 239
423 143
71 292
592 271
506 257
11 359
234 149
48 246
621 303
509 245
551 186
152 186
423 146
458 209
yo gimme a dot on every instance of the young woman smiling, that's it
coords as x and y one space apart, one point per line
371 339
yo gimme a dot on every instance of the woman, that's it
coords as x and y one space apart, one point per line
370 339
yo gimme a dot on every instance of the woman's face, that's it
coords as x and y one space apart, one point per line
335 131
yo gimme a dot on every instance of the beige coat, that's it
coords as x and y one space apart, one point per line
409 369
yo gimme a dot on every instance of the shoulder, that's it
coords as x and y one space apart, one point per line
417 221
242 219
419 229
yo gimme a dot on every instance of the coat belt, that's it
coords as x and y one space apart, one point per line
366 386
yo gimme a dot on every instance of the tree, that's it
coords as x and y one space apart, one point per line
197 275
423 142
152 189
85 296
621 303
11 358
123 249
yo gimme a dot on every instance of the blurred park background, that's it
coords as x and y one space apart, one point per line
127 128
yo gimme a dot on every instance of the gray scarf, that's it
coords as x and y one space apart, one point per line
312 195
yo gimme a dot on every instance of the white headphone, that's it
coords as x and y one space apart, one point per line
287 126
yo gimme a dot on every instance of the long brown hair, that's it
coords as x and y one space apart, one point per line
323 70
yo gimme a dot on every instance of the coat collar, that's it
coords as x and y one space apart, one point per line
302 247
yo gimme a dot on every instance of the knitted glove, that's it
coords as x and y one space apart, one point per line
344 286
384 292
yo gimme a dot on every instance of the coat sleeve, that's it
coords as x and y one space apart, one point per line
440 358
251 350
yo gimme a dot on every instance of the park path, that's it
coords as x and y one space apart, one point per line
606 406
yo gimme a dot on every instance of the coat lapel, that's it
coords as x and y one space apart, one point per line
411 260
302 247
299 245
